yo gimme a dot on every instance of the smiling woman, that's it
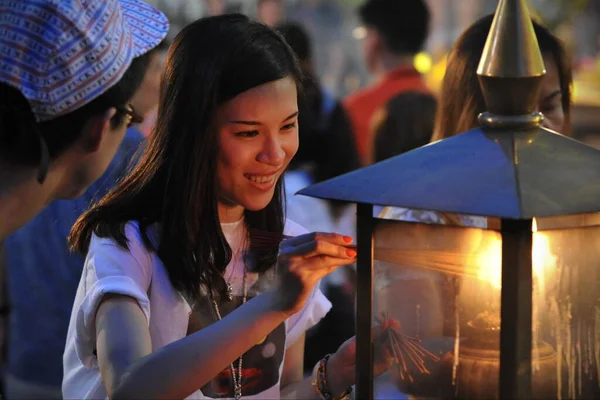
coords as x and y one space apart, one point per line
258 136
174 286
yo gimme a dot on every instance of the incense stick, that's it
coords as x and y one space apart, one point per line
264 241
407 353
462 264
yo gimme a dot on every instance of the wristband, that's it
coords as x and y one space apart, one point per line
320 384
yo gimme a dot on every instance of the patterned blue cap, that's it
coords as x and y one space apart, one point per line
62 54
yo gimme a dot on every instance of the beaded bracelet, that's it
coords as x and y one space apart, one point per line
320 384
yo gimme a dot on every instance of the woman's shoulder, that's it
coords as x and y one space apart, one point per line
110 257
134 240
132 232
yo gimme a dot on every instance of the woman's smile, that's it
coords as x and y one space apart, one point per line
263 182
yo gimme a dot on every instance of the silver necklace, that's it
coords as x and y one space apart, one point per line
236 380
229 289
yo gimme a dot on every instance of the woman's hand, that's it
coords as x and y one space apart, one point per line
341 367
303 260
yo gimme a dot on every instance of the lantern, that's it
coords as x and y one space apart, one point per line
504 303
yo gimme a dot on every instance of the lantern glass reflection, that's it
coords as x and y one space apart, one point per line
442 285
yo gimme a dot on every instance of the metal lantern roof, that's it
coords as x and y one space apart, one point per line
509 168
505 175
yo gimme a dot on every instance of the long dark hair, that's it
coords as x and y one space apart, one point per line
461 99
174 184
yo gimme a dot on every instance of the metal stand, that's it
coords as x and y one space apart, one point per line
516 314
364 303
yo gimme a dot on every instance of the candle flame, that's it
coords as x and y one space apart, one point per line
489 260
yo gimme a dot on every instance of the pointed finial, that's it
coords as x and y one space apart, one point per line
511 66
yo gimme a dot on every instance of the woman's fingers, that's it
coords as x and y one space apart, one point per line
334 238
318 252
317 266
329 263
307 258
319 247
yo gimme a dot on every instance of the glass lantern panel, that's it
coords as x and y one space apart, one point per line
437 291
567 305
437 294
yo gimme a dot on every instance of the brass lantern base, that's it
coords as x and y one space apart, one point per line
478 371
477 374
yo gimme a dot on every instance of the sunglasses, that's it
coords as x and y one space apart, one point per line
128 110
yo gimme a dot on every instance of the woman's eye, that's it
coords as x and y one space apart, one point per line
550 107
289 126
247 134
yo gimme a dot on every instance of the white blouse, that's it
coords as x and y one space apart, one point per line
140 274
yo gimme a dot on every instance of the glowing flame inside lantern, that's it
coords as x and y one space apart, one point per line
489 260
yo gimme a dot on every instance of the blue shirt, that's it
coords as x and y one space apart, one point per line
42 278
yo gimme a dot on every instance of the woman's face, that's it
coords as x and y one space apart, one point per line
257 137
550 100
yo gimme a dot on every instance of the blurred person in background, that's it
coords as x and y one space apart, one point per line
326 150
461 98
404 124
145 100
270 12
587 34
449 18
42 274
324 19
215 7
396 31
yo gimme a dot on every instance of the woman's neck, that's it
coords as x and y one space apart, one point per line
230 213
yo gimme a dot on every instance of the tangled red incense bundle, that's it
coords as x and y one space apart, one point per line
405 351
